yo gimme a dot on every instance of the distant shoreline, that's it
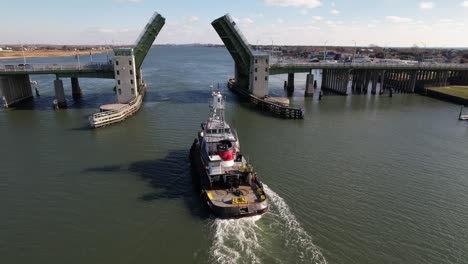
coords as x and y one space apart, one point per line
4 55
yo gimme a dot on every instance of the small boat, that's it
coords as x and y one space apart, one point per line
229 185
461 116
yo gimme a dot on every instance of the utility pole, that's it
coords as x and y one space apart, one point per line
24 57
325 49
354 55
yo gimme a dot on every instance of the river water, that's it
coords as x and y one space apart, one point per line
362 179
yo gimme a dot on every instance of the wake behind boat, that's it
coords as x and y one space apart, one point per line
229 184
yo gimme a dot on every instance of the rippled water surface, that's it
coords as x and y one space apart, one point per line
362 179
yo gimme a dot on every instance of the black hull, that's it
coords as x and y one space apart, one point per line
199 175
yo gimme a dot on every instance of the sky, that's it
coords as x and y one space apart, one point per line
386 23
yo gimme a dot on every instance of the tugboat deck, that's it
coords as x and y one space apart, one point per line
223 197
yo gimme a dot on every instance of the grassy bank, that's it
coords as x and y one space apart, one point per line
47 53
458 91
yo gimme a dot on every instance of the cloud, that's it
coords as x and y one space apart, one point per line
244 21
318 18
333 23
294 3
247 20
334 12
192 19
333 4
304 12
101 30
446 20
464 4
397 19
279 20
426 5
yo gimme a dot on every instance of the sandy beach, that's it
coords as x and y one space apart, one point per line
47 53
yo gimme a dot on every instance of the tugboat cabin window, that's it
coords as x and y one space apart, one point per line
218 131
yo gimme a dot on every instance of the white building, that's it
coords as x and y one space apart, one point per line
259 74
125 75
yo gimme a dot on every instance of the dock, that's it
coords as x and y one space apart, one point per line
266 104
115 113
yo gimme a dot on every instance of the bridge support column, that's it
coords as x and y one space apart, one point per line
290 82
324 79
382 82
375 79
309 90
60 93
413 78
76 89
445 78
14 89
344 81
401 84
353 83
367 81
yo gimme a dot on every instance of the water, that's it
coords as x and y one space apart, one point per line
362 179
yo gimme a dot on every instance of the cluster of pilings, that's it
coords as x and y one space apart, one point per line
17 88
336 80
345 81
458 77
414 80
363 80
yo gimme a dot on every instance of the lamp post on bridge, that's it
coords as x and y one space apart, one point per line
77 56
354 55
424 43
325 49
385 47
22 50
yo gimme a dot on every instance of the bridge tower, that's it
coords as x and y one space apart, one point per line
251 67
128 61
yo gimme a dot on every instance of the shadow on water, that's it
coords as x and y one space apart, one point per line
171 178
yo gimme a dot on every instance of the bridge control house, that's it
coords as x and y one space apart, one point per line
125 75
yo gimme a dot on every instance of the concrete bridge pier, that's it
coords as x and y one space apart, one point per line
76 89
354 82
14 89
309 89
413 79
375 79
325 77
344 80
290 87
401 83
382 82
60 93
445 75
367 80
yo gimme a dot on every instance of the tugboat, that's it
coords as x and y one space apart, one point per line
228 182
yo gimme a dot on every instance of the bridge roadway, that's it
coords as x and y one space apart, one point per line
90 70
297 67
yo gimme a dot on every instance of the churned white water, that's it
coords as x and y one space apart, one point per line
257 239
